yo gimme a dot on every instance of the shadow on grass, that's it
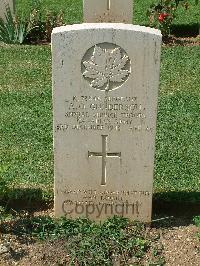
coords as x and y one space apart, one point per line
189 30
26 199
175 208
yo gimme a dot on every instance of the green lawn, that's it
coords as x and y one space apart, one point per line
74 12
26 116
26 121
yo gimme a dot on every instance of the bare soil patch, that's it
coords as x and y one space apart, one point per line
180 246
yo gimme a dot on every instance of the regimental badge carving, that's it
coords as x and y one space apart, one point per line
106 66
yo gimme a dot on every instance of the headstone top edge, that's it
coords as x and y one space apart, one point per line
91 26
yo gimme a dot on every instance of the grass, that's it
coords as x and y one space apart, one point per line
178 147
197 223
26 117
26 122
191 16
73 10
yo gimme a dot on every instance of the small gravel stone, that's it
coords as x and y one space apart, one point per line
3 249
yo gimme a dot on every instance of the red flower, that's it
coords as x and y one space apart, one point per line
162 17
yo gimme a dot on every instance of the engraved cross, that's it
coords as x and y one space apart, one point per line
104 155
108 4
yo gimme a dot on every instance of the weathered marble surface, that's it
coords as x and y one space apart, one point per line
3 5
105 91
108 11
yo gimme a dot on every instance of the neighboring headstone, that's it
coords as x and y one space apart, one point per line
105 90
108 11
3 5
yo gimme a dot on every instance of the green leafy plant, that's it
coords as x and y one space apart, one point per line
13 30
197 222
4 215
162 14
42 25
53 20
116 240
33 29
43 22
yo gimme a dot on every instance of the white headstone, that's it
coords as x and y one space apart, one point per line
3 6
108 11
105 90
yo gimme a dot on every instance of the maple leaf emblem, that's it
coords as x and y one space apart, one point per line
106 67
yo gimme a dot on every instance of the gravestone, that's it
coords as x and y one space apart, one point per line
108 11
105 90
3 5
